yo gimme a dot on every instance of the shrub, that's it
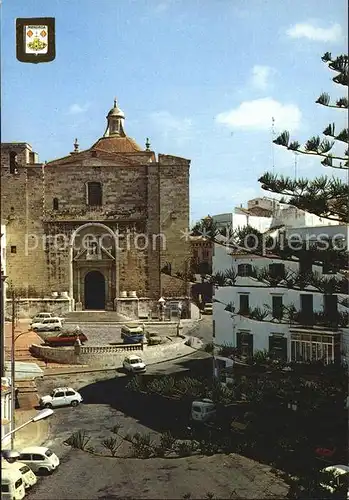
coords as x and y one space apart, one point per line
209 347
78 440
111 444
142 445
185 448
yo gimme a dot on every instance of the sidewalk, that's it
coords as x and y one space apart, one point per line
33 434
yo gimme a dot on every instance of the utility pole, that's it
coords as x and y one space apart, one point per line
2 321
13 371
2 312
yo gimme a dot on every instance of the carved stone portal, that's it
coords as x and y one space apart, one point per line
95 284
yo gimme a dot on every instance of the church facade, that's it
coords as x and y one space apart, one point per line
96 223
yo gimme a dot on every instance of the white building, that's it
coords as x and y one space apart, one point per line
307 336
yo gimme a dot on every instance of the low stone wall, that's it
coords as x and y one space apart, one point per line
28 308
106 356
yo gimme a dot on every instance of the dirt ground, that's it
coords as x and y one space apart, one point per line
82 475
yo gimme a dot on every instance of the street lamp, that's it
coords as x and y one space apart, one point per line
2 320
47 412
13 377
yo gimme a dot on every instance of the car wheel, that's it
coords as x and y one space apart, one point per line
35 329
74 403
42 471
48 405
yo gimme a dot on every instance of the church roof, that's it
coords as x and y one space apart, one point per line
117 144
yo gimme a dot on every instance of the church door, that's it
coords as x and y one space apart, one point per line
94 290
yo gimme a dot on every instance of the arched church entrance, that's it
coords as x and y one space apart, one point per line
94 290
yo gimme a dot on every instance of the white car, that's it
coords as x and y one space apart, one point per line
44 315
39 458
48 325
29 478
134 364
62 396
341 477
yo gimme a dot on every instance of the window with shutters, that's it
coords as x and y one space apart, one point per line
244 343
278 347
94 194
305 265
245 270
244 304
277 307
307 309
277 270
331 307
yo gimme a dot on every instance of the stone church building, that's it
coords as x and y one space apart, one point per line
96 223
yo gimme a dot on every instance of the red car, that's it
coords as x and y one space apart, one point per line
66 339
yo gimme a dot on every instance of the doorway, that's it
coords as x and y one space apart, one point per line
94 290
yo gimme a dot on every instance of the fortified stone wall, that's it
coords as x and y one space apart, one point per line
174 221
21 211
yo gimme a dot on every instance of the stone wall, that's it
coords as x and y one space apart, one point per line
28 308
107 356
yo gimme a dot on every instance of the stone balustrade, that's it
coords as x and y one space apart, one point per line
93 349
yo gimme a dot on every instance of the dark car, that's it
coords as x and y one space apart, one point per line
66 339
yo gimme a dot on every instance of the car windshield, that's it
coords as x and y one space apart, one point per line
135 361
48 453
24 469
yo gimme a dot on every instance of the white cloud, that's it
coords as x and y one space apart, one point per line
76 109
260 78
258 114
163 6
172 127
315 33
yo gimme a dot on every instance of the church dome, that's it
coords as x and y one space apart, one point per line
116 111
115 139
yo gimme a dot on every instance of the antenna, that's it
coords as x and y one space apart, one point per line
272 142
295 165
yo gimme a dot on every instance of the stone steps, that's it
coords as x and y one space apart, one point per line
93 317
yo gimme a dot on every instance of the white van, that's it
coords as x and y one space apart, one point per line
12 485
131 329
203 411
39 459
28 475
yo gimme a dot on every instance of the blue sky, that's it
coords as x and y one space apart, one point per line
201 78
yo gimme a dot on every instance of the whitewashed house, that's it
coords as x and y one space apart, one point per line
305 336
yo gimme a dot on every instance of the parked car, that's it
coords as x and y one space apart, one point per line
134 364
12 484
47 325
62 396
132 334
29 478
340 480
44 315
66 339
39 458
